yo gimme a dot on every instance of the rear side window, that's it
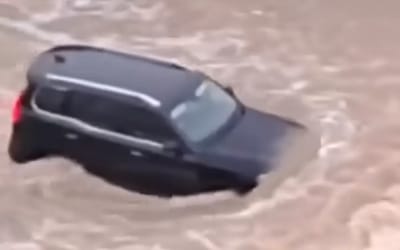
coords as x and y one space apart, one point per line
118 116
51 99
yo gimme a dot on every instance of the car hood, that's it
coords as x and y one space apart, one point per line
253 144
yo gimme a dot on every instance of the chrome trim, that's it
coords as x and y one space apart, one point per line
91 84
92 129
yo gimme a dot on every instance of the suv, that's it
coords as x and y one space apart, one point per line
142 117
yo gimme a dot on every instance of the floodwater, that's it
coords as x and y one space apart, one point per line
333 65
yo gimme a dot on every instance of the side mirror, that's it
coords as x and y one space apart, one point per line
229 89
172 146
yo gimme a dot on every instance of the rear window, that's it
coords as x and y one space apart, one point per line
51 99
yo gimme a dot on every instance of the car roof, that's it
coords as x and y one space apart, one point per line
159 83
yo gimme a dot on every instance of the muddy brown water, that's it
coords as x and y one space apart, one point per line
333 65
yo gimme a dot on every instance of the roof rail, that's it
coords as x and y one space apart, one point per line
97 85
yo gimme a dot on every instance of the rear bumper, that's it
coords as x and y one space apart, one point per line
16 148
21 149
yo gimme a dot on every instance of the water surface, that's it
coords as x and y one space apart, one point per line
333 65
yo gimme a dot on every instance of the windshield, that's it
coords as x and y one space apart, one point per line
205 113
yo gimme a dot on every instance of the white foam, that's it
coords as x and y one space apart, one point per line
203 240
81 3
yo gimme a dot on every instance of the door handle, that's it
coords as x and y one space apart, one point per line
71 136
136 153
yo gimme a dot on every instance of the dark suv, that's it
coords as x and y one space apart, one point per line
142 117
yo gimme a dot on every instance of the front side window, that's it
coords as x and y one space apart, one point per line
203 114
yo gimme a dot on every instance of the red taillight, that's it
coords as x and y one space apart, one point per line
17 109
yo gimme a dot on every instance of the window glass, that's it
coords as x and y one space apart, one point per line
118 116
51 99
204 113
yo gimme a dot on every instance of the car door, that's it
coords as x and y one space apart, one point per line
164 167
92 116
146 132
52 130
